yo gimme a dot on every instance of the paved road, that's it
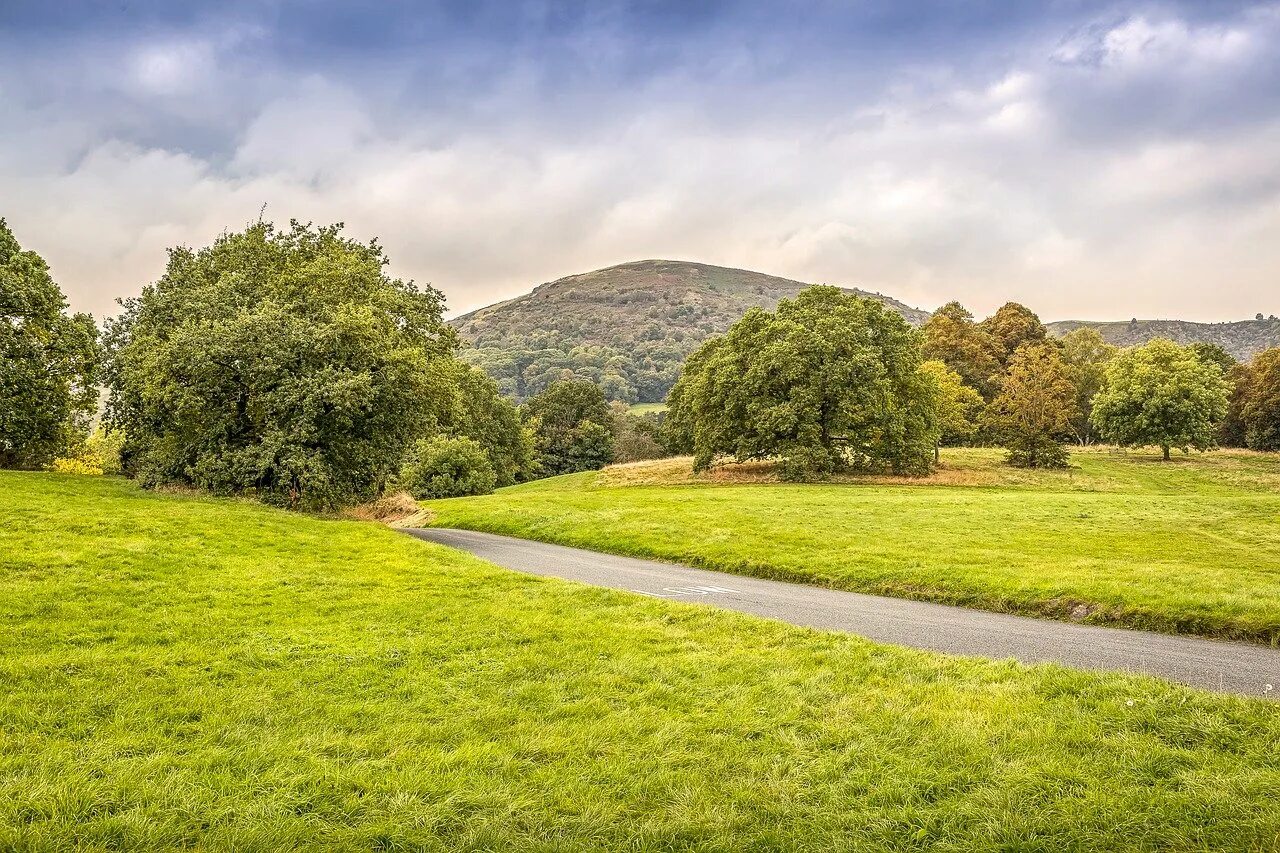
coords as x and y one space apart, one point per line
1216 665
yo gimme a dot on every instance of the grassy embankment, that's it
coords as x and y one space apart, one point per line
181 671
1191 546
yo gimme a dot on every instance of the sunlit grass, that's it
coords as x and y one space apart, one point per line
1189 546
186 672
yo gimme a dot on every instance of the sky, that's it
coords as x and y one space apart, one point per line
1092 160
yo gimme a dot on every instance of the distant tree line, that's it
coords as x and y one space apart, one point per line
829 382
287 365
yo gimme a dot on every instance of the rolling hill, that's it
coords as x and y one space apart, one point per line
630 327
1243 338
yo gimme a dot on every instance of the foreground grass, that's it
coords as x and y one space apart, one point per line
1191 546
177 671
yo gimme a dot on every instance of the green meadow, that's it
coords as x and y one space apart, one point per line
1189 546
187 672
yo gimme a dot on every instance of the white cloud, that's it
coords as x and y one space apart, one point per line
974 187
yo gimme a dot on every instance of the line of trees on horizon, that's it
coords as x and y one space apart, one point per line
286 364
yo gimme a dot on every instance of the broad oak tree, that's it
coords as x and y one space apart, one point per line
281 363
828 381
1161 394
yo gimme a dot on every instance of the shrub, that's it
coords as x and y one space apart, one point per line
441 467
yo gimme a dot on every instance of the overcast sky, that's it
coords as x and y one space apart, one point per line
1093 160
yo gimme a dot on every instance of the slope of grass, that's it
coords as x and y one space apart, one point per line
186 672
1191 546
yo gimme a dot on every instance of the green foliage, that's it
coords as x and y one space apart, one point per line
1188 548
1086 354
570 422
282 364
48 362
477 410
1161 394
98 454
959 406
1032 413
440 467
827 382
1231 432
199 674
1259 402
636 436
952 337
1211 353
627 328
1012 327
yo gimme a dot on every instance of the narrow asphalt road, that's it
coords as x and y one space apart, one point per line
1212 664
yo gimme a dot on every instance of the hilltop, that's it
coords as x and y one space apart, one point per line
628 327
1243 338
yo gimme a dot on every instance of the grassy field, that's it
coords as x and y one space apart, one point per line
1190 546
647 408
186 672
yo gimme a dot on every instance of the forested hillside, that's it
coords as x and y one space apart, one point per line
630 327
627 327
1242 339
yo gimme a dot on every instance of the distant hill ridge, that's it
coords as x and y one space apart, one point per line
630 327
1242 338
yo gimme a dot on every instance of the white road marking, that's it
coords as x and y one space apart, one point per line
674 591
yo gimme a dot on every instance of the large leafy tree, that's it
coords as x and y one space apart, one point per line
1086 354
1031 416
959 406
1161 394
572 427
1260 404
478 411
1012 327
953 338
281 363
828 381
48 362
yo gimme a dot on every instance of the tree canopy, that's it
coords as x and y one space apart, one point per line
48 362
572 427
1031 416
1253 419
1161 394
827 381
1012 327
475 409
1086 354
952 337
959 406
281 363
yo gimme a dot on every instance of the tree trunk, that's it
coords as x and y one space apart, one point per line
1166 452
937 454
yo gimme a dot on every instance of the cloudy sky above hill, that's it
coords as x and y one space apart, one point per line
1093 160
